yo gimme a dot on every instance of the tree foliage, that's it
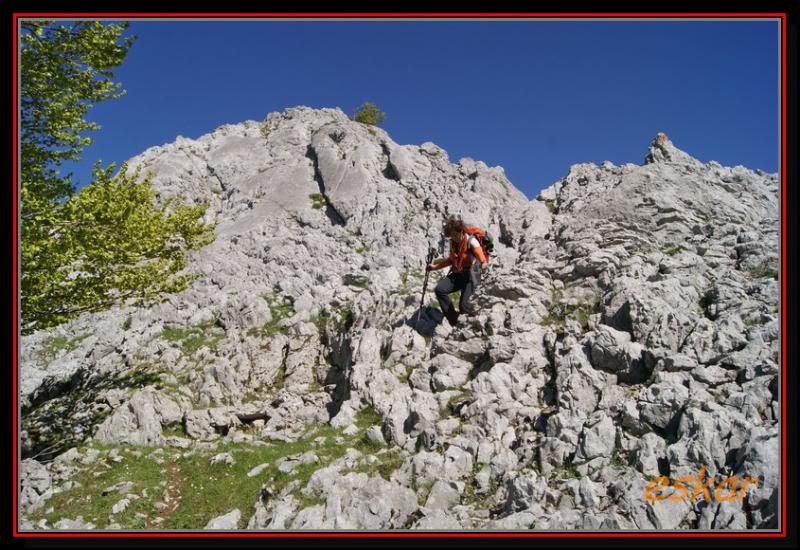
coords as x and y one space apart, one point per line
64 70
369 113
111 241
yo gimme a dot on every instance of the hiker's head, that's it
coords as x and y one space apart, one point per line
454 228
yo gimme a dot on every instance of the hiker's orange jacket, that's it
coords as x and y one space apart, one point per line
460 257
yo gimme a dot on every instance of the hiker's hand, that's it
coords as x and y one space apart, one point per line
430 267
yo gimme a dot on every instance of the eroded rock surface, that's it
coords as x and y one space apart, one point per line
628 328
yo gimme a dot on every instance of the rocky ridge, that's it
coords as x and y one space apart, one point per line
627 329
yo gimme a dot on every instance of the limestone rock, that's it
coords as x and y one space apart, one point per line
628 325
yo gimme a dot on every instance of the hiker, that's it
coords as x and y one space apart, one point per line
464 249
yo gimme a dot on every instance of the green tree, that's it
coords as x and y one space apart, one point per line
64 70
369 113
112 241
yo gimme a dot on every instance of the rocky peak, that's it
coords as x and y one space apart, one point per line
662 150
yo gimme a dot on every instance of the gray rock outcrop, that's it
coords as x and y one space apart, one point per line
628 328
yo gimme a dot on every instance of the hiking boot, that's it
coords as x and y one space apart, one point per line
453 319
469 312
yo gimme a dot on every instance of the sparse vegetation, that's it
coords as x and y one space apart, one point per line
318 200
358 281
200 490
387 462
406 375
369 113
367 417
140 376
750 318
471 496
671 250
266 127
55 344
410 280
191 339
763 271
558 312
280 308
341 317
456 400
566 471
617 460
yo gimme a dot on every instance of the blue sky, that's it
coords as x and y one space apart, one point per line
531 96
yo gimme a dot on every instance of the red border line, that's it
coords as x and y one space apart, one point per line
405 534
380 15
14 276
384 15
783 272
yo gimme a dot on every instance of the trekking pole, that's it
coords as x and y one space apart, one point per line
426 206
428 260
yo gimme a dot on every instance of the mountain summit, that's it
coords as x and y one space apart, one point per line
627 329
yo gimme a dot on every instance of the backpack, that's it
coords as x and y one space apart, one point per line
485 239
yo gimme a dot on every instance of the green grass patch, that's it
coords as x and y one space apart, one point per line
55 344
338 317
202 491
671 250
558 312
411 282
386 463
763 271
280 308
363 249
88 500
409 274
617 460
191 339
367 417
318 200
174 431
470 495
566 471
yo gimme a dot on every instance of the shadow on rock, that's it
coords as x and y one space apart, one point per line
429 318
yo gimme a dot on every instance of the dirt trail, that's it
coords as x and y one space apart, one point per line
171 496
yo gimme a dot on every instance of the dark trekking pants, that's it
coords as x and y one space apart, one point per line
465 281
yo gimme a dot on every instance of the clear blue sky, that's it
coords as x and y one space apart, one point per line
531 96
